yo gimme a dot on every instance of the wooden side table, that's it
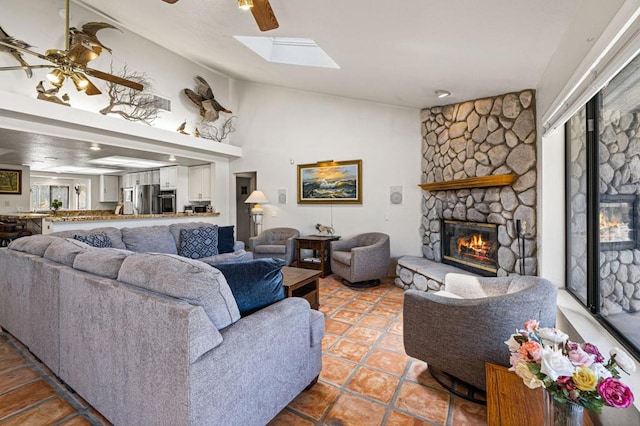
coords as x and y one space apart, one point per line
299 282
321 258
511 402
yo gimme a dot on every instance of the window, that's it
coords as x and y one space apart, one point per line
74 193
603 201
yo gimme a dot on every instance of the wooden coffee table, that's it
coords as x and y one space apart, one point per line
300 282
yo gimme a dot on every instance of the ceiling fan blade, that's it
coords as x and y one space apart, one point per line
27 51
264 16
18 67
114 79
170 1
91 89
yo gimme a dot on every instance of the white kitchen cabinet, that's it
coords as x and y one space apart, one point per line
169 177
200 183
127 181
109 189
155 177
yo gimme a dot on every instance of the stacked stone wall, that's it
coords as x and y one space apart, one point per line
489 136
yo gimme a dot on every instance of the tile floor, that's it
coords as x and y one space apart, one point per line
366 378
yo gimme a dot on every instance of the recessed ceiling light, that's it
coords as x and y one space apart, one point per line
172 158
442 93
95 147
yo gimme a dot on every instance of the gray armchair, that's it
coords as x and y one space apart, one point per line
361 260
459 329
275 242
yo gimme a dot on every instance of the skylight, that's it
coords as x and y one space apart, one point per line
289 50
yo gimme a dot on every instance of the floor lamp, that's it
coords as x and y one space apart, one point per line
257 198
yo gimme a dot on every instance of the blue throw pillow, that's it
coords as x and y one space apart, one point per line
99 239
197 243
226 239
255 284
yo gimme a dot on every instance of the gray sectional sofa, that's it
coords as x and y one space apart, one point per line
155 338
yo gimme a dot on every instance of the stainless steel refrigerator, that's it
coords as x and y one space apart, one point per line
146 200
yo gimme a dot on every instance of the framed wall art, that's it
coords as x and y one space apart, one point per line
330 182
10 182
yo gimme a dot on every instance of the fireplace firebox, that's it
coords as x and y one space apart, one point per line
471 246
618 222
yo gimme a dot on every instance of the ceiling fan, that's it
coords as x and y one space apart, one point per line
261 10
72 61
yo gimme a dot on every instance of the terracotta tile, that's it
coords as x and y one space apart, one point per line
23 397
346 316
336 327
323 292
332 281
466 413
358 306
11 361
363 335
315 401
397 418
424 402
77 421
351 410
333 301
375 322
384 311
367 297
336 370
328 340
48 412
418 372
396 327
16 378
393 342
391 303
390 362
327 310
346 293
99 417
349 350
6 349
287 418
374 384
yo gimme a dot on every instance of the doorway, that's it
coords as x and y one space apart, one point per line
245 184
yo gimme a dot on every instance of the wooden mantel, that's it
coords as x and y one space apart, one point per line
475 182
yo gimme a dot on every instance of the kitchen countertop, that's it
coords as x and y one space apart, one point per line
60 218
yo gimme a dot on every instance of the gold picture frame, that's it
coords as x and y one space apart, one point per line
10 182
330 182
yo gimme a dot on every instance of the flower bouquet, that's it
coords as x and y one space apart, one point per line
570 372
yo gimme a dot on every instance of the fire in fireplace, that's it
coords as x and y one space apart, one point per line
618 222
471 246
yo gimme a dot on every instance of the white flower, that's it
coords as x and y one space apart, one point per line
552 335
623 360
513 345
529 379
600 370
554 364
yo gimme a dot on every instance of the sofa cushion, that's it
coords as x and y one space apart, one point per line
226 239
149 239
235 256
254 284
63 251
190 280
270 249
98 239
35 244
105 262
176 228
199 242
114 234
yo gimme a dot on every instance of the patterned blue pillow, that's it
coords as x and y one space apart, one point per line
197 243
99 239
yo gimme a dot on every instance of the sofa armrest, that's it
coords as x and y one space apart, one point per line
343 245
238 245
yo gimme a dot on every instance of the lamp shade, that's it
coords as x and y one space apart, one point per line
257 197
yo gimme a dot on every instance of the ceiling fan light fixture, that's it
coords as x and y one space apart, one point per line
56 77
80 82
245 4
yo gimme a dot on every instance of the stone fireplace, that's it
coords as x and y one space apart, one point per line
471 246
478 140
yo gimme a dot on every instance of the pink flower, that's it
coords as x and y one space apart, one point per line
565 382
580 357
614 393
514 359
531 325
531 351
593 350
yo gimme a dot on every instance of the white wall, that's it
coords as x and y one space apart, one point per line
10 202
279 128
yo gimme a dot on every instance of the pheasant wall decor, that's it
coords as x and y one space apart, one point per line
203 97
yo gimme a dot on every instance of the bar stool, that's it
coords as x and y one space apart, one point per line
9 231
